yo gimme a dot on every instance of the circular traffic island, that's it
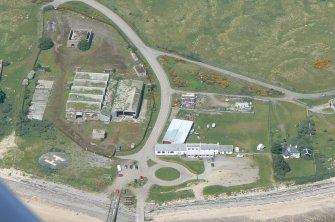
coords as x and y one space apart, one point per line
167 173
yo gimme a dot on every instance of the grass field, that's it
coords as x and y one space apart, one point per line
277 41
167 173
85 170
194 166
245 130
317 102
18 46
190 77
284 119
162 194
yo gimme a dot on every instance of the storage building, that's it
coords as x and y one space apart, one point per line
177 132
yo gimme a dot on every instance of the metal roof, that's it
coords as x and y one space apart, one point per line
178 131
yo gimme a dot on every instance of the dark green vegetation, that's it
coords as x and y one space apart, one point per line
194 166
277 41
5 115
167 173
83 45
190 77
45 43
2 96
264 181
280 166
161 194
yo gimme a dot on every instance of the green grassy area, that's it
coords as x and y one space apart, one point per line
83 172
190 77
265 180
316 102
18 47
276 41
284 120
167 173
300 168
194 166
150 163
161 194
245 130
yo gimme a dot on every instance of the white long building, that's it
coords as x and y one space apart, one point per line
192 149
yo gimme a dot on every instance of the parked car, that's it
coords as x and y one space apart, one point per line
212 164
136 167
126 166
120 175
131 166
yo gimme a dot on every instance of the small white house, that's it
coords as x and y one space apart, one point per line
291 152
332 104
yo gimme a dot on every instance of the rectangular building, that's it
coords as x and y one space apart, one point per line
177 132
193 149
188 100
128 98
40 99
76 35
87 95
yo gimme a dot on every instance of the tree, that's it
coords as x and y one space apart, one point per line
2 96
83 45
45 43
280 166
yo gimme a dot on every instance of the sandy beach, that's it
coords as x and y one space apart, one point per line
285 210
49 213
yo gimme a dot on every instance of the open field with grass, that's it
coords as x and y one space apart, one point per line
194 166
284 120
84 171
162 194
190 77
317 102
277 41
167 173
18 47
245 130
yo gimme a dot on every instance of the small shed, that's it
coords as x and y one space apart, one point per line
25 82
31 75
98 134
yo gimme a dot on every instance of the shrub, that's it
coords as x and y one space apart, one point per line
83 45
2 96
45 43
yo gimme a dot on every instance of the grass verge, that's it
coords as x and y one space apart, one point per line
167 173
194 166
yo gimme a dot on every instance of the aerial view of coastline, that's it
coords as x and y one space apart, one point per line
167 110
